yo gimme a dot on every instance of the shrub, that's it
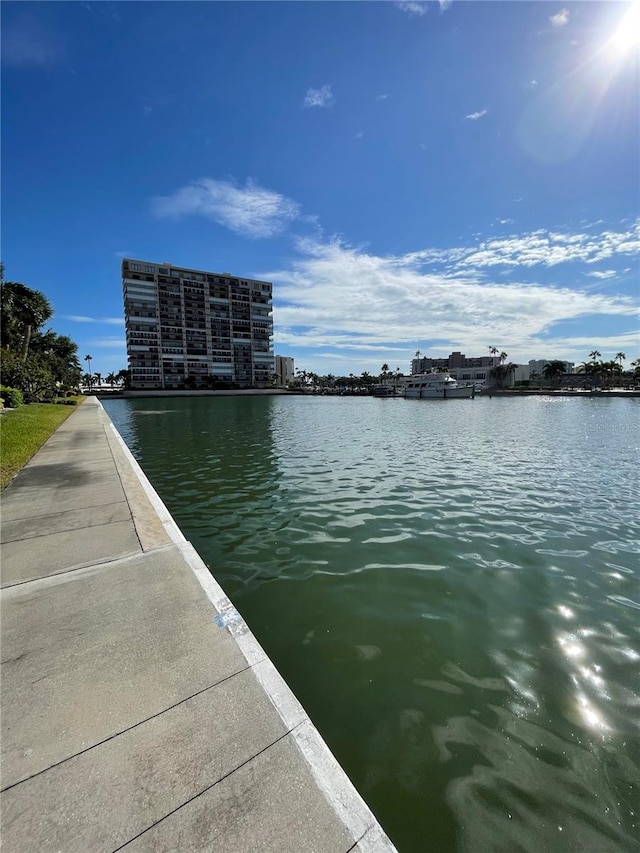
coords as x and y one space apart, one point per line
34 381
67 402
11 397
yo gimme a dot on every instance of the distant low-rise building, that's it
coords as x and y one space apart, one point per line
285 371
455 361
537 366
477 375
471 370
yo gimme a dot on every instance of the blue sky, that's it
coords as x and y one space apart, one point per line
429 176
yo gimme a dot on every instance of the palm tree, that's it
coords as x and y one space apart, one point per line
620 356
591 369
88 375
385 370
98 378
111 379
553 370
493 351
124 376
503 356
502 372
594 355
23 311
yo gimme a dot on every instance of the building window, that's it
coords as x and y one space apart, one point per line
147 268
136 266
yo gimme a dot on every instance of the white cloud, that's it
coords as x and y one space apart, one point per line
560 19
249 210
109 321
602 274
476 116
381 97
322 97
358 135
445 4
334 295
545 248
412 8
531 84
107 343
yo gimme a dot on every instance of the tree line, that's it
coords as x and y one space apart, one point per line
594 371
36 361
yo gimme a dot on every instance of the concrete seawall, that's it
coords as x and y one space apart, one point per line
138 709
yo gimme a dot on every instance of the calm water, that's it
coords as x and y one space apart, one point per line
451 588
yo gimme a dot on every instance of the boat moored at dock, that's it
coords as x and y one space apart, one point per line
436 386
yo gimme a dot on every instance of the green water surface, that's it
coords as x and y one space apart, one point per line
451 588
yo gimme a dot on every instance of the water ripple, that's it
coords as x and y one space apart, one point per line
452 592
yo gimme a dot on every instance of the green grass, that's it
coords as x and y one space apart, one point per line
24 430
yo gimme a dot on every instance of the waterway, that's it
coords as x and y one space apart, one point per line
451 588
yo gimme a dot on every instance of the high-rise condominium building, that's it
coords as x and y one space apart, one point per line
191 329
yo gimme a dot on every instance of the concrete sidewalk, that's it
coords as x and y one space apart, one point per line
138 710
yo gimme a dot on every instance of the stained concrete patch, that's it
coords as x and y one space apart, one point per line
269 804
89 653
75 519
40 556
134 780
149 528
65 474
46 455
27 503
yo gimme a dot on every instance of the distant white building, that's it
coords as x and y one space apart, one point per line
477 375
538 366
453 362
285 371
472 370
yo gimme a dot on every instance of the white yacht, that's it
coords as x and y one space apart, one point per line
437 386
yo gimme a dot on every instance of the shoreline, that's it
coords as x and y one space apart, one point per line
156 689
255 392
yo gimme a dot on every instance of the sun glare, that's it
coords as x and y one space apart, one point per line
627 36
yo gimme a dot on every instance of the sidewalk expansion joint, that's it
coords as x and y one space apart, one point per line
66 529
355 843
72 569
127 729
205 790
32 517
